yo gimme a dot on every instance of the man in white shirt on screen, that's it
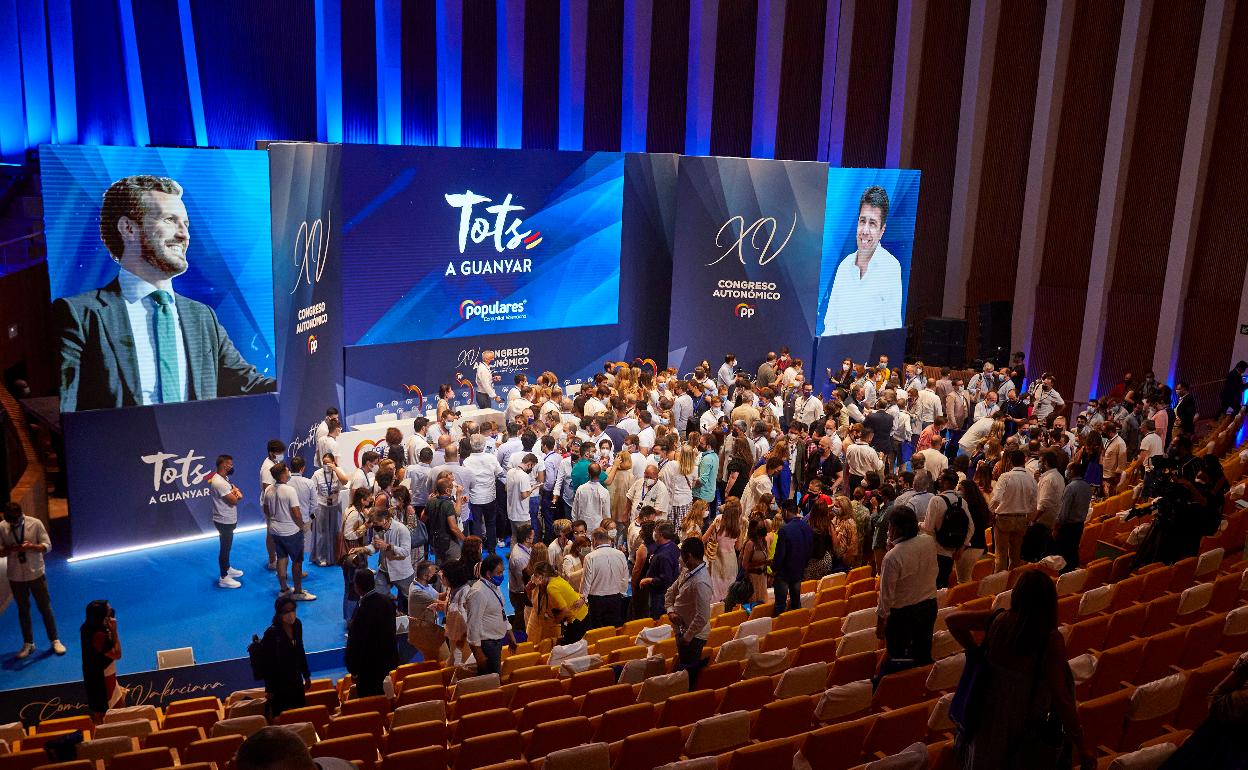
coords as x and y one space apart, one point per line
866 290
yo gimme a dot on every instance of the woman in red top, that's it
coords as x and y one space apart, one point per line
101 649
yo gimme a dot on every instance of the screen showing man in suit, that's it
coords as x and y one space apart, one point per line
143 334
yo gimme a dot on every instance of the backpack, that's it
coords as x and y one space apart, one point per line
954 525
255 655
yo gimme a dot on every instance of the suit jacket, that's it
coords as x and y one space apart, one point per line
98 365
371 642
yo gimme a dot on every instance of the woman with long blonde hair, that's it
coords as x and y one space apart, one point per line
679 477
844 530
723 540
694 520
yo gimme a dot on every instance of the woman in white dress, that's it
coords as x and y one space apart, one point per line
724 532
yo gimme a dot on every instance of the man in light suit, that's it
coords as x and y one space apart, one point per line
134 341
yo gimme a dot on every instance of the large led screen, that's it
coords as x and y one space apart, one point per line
161 273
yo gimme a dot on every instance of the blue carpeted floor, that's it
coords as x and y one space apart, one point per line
167 597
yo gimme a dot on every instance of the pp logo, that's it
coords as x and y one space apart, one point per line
312 344
743 310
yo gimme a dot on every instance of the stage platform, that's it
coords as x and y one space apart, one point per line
167 597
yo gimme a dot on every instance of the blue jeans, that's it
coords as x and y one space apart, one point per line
788 595
493 651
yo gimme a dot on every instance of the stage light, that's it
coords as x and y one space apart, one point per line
158 543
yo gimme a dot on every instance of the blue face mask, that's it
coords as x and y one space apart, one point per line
496 580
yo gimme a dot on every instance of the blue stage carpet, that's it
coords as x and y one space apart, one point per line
167 597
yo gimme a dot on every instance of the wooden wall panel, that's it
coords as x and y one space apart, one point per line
604 71
1067 252
937 110
669 76
732 114
1152 177
801 68
868 96
1218 276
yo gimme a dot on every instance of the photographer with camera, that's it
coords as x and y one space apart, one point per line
1185 497
24 541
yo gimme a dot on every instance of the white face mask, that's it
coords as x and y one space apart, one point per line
279 457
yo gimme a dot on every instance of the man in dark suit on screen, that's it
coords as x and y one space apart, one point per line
135 341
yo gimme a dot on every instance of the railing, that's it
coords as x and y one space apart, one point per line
31 489
15 253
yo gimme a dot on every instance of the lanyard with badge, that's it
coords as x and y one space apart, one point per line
331 494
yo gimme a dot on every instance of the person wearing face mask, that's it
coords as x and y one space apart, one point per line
225 499
593 502
286 672
276 454
488 629
24 540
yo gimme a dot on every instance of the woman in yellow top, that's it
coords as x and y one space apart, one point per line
566 605
538 623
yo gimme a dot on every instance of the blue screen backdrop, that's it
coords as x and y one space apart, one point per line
226 194
407 276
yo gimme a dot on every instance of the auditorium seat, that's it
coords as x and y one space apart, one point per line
1114 665
784 718
901 688
534 691
193 704
26 759
202 718
416 736
353 748
1194 703
687 708
1151 706
618 723
39 740
1102 717
602 699
894 730
73 764
1088 634
748 694
483 750
373 724
473 724
1161 613
219 750
80 722
244 726
837 746
546 710
1124 625
176 738
317 715
556 734
647 750
373 703
852 668
1160 652
147 759
581 683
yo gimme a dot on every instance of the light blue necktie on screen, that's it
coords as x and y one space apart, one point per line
166 348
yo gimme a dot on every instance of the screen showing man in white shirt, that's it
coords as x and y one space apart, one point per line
866 291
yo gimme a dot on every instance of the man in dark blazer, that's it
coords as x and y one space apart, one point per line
112 338
371 652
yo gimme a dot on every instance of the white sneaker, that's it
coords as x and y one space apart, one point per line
26 650
228 582
57 647
303 596
501 544
234 573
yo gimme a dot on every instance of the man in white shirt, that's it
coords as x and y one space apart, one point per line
605 581
648 490
305 488
484 380
322 428
727 374
929 407
509 447
23 541
906 607
366 474
806 407
861 459
682 408
710 418
518 404
285 523
483 471
276 454
1114 459
1045 400
978 431
593 502
987 407
225 499
328 444
1151 444
1014 503
418 440
937 508
520 488
866 290
645 432
934 459
1038 542
488 629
